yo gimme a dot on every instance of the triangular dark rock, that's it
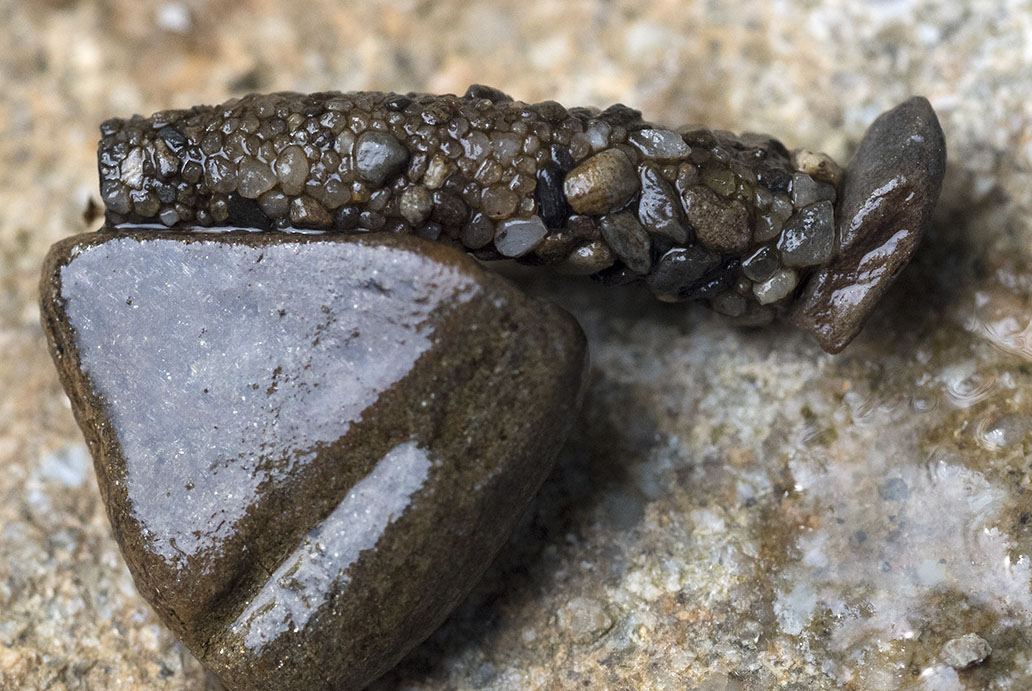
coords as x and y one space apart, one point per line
310 447
890 191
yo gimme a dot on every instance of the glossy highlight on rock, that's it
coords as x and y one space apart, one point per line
307 467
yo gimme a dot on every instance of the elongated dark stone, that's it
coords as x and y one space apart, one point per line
309 448
890 191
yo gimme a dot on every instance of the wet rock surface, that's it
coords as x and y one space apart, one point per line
721 498
309 449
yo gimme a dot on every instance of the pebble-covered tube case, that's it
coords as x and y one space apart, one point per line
737 221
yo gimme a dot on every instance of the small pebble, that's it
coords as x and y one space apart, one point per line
601 184
720 225
415 204
378 156
220 174
292 170
680 271
658 207
498 202
807 191
589 258
518 236
817 165
777 287
966 651
768 227
255 178
730 304
585 619
306 212
808 238
549 195
478 232
629 240
761 264
657 143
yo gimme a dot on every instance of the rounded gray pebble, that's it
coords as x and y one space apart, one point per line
292 169
518 236
255 177
378 156
629 240
220 174
808 238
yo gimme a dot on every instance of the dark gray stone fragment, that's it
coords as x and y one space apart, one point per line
659 209
889 192
761 264
489 92
806 191
808 238
628 240
680 272
516 237
378 156
548 193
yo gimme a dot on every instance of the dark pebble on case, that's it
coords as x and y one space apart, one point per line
489 92
889 192
680 271
287 485
761 264
378 156
619 115
548 193
246 213
659 208
719 224
808 237
629 240
478 232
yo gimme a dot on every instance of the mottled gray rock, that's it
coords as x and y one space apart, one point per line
378 155
719 224
628 240
966 651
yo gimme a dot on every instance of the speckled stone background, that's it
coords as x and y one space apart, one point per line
738 510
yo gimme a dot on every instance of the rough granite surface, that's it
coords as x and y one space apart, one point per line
737 510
